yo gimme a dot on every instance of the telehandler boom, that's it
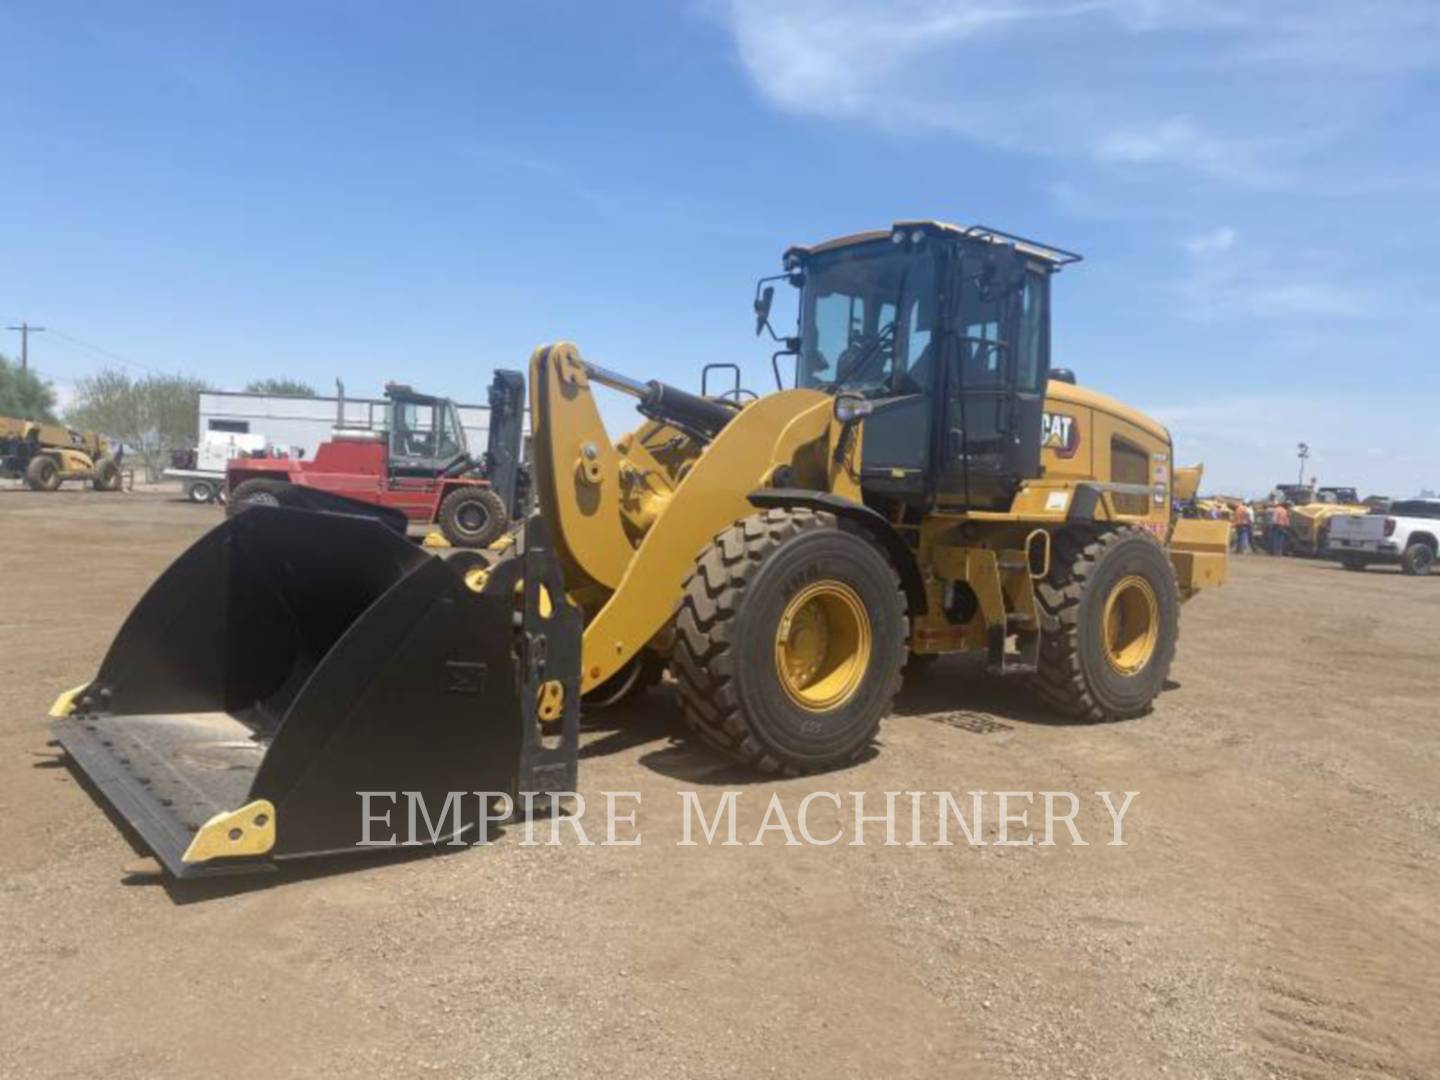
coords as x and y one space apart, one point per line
927 484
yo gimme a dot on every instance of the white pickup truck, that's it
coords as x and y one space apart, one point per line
1406 533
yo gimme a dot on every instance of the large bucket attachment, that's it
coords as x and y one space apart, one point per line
292 659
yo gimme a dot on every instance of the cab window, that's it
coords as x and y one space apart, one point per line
412 431
1031 348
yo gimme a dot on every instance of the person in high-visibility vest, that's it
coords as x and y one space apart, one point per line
1244 528
1279 529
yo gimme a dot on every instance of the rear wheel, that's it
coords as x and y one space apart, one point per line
790 641
1418 560
107 475
1114 615
1351 561
200 491
257 492
42 474
472 516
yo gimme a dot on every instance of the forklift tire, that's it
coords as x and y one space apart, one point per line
107 475
472 516
257 492
1112 612
42 474
790 641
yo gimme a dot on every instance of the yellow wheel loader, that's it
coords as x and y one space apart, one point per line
927 484
46 455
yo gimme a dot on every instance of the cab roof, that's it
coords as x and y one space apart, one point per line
1048 253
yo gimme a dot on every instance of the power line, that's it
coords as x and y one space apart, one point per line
25 331
105 354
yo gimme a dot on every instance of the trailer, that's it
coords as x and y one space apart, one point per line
201 471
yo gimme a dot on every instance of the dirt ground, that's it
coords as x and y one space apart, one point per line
1274 913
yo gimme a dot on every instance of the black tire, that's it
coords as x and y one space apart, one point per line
42 474
200 491
1351 561
725 658
472 516
1075 673
258 492
1418 560
107 475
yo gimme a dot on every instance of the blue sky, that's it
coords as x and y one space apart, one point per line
425 191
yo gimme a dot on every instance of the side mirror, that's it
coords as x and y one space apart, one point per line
762 308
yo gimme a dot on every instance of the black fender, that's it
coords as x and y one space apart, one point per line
874 524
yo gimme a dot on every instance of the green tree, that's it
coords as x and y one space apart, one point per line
291 387
151 416
24 395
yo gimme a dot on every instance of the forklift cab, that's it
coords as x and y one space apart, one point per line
425 436
946 333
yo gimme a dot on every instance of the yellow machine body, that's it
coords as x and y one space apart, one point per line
630 515
779 552
74 455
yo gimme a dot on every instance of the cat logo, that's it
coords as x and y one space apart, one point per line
1061 433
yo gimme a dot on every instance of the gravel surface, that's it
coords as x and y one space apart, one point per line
1275 911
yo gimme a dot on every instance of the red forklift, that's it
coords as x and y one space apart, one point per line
415 461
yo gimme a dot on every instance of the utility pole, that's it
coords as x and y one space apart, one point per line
25 331
1302 452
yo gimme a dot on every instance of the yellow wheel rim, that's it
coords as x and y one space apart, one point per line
822 646
1132 624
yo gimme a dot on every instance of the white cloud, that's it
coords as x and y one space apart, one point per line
1218 239
1247 442
1229 281
1178 141
1234 92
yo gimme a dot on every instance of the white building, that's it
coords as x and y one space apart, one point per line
306 422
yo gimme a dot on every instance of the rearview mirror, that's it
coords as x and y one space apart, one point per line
762 308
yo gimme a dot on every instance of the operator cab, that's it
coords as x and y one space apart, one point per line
425 436
946 333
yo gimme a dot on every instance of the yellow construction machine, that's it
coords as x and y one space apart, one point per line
927 484
1311 514
46 455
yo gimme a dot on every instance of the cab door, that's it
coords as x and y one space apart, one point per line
996 367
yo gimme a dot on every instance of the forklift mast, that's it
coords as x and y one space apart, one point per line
503 447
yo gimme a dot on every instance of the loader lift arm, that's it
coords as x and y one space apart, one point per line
629 518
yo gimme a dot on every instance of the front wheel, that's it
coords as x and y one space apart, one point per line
472 516
42 474
1113 612
790 640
